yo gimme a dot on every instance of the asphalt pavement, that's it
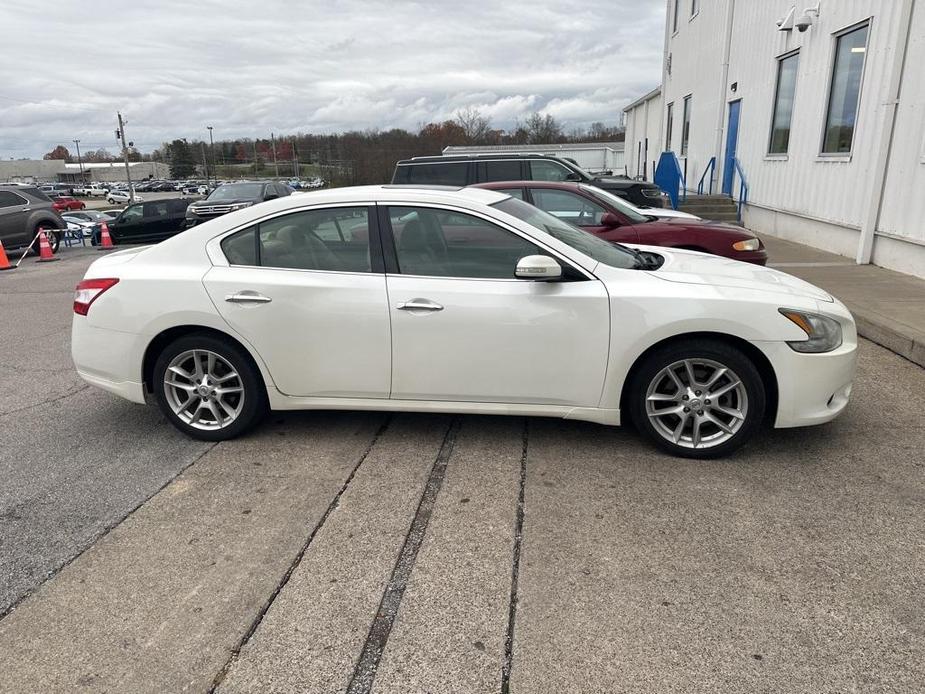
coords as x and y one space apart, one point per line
363 552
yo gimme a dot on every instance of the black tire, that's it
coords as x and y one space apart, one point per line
697 349
255 397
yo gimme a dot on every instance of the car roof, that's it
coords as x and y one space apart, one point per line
475 156
497 185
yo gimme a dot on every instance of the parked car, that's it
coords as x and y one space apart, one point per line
63 203
144 222
114 196
89 221
59 188
467 170
608 217
396 298
93 190
234 196
25 211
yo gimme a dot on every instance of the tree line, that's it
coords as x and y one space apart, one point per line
352 157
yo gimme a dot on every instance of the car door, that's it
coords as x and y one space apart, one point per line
307 290
580 211
464 329
129 225
14 209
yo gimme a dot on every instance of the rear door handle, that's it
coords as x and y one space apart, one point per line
419 305
248 297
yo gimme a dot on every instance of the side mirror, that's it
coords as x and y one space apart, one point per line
537 267
610 220
271 196
573 177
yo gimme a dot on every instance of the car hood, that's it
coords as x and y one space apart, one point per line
614 182
690 267
733 231
233 201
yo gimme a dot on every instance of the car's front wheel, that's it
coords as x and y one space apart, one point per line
697 399
208 388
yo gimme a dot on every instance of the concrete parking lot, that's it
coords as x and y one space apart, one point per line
358 552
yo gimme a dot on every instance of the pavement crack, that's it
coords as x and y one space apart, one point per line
515 568
258 619
45 402
364 673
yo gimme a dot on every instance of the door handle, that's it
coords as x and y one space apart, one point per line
419 305
248 297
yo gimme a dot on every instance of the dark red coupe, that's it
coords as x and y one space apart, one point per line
602 214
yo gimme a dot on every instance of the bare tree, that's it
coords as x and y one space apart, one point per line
477 128
542 129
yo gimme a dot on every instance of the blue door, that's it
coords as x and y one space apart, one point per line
732 137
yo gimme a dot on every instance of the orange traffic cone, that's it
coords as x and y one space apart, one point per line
4 261
105 238
45 254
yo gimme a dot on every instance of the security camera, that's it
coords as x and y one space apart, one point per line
803 22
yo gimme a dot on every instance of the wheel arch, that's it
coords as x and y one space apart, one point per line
761 362
165 337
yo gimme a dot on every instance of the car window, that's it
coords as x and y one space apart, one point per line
441 243
131 214
334 239
568 206
589 244
449 174
155 210
10 199
177 206
500 170
543 170
241 247
615 201
513 192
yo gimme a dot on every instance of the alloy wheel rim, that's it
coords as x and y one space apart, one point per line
203 389
697 403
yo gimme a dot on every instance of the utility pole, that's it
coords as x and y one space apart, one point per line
212 151
295 163
205 163
275 163
79 161
128 176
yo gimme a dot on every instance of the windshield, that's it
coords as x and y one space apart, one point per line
590 245
634 214
234 191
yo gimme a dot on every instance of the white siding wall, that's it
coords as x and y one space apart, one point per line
643 136
819 200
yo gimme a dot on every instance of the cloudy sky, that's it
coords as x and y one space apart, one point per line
248 68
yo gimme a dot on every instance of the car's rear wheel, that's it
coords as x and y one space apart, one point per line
697 399
208 388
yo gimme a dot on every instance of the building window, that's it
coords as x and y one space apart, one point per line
845 91
783 104
695 7
674 19
686 126
669 126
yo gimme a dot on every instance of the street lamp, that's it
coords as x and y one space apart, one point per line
212 152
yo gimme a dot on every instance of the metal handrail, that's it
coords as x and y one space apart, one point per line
711 169
743 188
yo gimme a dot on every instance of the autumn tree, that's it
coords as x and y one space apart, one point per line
476 127
59 152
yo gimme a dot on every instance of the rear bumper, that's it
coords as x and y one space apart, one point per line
108 359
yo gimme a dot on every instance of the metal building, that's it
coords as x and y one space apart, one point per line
591 156
818 106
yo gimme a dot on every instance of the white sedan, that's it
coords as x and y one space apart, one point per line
442 300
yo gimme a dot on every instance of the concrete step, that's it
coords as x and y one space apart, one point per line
707 209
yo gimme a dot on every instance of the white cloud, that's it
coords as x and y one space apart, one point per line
173 67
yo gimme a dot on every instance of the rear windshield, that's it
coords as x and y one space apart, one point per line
590 245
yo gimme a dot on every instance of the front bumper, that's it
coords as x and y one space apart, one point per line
812 388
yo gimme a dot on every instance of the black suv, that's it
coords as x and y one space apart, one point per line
23 212
233 196
466 170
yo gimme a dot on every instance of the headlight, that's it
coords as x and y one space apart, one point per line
747 245
823 333
240 206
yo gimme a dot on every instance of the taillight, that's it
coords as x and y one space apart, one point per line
88 291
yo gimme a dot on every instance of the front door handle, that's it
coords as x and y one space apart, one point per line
248 297
419 305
